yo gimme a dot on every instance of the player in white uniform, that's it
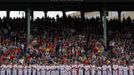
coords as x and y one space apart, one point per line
53 68
9 69
25 70
104 69
120 70
57 69
62 69
125 70
87 69
48 68
38 69
99 70
68 70
29 69
115 69
74 69
81 69
3 69
15 69
43 71
34 69
131 69
109 69
93 69
20 69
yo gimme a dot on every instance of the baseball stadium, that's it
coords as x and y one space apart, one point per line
66 37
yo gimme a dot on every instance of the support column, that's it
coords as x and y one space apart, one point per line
45 15
28 25
104 19
32 15
119 15
64 14
8 14
82 15
101 14
23 14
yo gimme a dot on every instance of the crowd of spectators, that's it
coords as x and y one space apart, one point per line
67 40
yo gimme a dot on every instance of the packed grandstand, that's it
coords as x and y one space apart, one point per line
66 46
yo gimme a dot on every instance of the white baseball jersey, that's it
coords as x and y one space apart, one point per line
57 70
104 69
62 69
68 70
131 69
43 71
20 70
115 69
9 69
33 69
120 70
74 69
81 70
15 69
125 70
29 69
3 69
109 70
87 70
38 69
53 68
25 70
48 70
93 69
99 70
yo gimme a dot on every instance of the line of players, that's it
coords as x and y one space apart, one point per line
66 70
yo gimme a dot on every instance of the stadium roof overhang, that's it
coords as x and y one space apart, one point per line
67 5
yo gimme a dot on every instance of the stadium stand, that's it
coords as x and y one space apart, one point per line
66 45
63 41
